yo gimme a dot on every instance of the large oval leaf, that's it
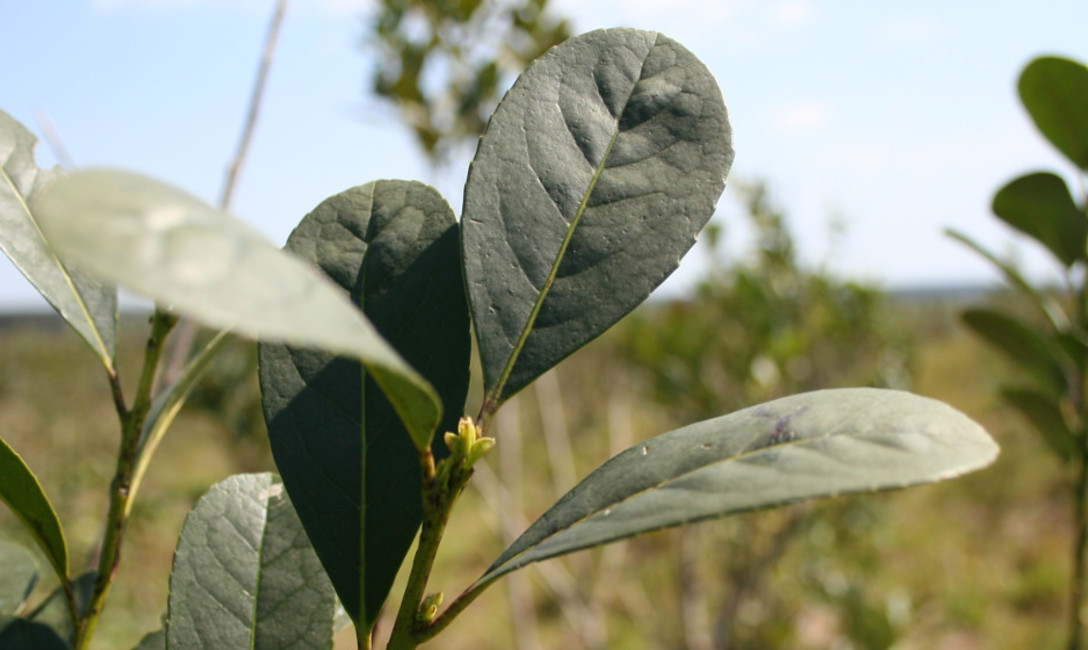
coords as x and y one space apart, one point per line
1040 205
245 575
166 244
1054 90
393 246
20 489
810 445
88 305
21 634
591 181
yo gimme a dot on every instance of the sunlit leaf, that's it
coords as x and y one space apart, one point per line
245 575
1040 205
1054 90
591 181
810 445
18 575
21 491
88 305
393 246
161 242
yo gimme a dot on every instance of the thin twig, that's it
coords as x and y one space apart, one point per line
185 336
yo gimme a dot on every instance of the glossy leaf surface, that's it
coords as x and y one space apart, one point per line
392 246
161 242
1021 344
809 445
88 305
1040 205
1054 90
21 491
245 575
590 183
18 575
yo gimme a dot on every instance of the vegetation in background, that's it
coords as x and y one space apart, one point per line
1050 345
444 63
575 209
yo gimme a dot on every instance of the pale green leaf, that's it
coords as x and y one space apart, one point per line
810 445
88 305
166 244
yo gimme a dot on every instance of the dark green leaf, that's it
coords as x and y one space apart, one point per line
591 181
20 489
1039 205
1045 415
810 445
1021 344
1055 92
393 246
173 247
89 306
18 575
21 634
245 575
53 611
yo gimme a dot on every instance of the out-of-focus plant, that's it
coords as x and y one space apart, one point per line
1050 346
758 328
444 63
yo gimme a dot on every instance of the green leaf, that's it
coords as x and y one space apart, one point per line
1045 415
18 575
164 243
153 641
1054 90
1040 205
21 634
1047 307
245 575
393 246
591 181
1021 344
88 305
816 444
22 492
53 611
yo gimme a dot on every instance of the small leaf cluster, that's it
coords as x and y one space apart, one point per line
593 178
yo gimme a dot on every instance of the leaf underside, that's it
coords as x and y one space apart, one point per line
88 305
590 183
170 246
393 246
244 573
810 445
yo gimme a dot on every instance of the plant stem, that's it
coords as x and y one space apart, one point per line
438 499
132 423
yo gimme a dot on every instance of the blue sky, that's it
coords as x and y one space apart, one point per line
896 119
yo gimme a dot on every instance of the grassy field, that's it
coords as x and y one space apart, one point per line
980 562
